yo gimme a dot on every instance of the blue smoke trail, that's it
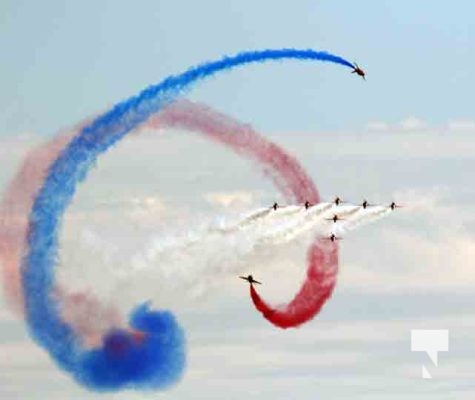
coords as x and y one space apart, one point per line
157 360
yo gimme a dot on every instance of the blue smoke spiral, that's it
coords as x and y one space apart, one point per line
158 359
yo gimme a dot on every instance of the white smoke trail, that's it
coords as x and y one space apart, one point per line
362 217
255 217
188 264
318 219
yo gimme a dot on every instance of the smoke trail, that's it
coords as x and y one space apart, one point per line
80 310
14 209
309 220
254 216
362 216
223 250
185 267
289 177
284 170
160 365
317 288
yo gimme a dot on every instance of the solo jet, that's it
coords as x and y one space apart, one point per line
307 205
357 70
275 206
332 237
335 218
250 279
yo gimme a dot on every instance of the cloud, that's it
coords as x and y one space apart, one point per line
236 199
442 262
412 124
409 124
409 138
465 126
7 316
431 247
12 149
272 357
379 126
21 355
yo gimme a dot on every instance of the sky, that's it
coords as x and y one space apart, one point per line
404 134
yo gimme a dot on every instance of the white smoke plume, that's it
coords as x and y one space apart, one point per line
182 267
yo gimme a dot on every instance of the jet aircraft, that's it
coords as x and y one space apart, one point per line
357 70
335 218
250 279
393 206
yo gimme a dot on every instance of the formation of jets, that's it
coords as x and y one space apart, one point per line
337 201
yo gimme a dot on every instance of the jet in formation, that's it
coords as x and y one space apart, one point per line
365 204
393 206
335 218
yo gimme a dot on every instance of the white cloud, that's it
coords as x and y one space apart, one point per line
379 126
7 316
409 140
412 124
271 356
236 199
409 124
20 355
466 126
432 248
437 262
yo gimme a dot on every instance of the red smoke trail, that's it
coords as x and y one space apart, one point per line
82 311
285 171
291 179
316 289
14 210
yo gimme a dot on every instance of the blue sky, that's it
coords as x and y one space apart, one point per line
64 60
405 134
